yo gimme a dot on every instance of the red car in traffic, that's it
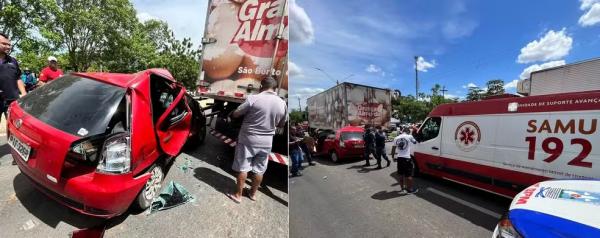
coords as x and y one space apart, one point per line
347 142
100 142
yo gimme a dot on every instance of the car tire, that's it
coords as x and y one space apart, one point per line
334 157
151 189
198 138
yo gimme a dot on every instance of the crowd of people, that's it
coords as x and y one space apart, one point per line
302 146
15 82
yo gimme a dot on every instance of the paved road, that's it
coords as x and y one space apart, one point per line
25 212
349 200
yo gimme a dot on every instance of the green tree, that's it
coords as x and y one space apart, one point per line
475 94
18 19
495 87
86 29
298 116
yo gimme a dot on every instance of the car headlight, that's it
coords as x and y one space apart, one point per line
505 229
116 155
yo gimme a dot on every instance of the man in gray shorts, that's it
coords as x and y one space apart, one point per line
263 113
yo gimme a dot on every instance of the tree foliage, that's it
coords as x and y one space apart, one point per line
409 109
297 116
495 87
96 35
475 94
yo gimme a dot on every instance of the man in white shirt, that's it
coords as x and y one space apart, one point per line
406 166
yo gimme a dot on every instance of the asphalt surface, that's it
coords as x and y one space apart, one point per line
25 212
349 200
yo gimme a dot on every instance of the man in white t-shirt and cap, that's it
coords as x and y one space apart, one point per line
263 113
406 165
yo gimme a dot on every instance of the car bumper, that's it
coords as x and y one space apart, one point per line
352 153
93 194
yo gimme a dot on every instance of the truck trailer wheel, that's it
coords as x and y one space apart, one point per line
334 157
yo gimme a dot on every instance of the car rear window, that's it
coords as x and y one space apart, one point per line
351 136
77 105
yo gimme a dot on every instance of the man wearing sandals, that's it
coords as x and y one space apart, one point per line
262 113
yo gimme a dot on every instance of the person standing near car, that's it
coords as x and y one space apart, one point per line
380 147
406 166
29 79
369 138
295 152
304 144
50 72
10 76
263 113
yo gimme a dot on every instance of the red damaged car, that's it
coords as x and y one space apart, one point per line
98 142
345 143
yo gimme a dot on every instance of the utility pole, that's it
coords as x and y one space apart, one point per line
416 77
299 105
444 90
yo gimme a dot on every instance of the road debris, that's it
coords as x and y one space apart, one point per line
186 166
91 232
29 224
171 196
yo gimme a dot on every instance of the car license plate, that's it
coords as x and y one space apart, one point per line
21 148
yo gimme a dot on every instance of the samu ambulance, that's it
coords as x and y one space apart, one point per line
505 145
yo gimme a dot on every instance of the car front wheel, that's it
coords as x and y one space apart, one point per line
334 157
152 188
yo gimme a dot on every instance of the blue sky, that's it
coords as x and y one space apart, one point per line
462 42
185 17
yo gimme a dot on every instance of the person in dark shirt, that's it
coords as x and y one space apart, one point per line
10 76
369 138
295 152
380 147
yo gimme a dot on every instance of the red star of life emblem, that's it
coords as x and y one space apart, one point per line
467 136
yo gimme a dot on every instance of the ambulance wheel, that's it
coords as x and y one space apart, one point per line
416 168
334 157
151 189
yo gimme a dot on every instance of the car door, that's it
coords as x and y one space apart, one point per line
173 117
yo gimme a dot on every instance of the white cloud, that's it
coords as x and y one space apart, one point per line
527 71
511 84
424 66
591 17
587 4
144 16
470 85
301 28
453 96
455 29
373 68
294 70
552 46
306 92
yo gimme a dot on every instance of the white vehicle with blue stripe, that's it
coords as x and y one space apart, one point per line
557 208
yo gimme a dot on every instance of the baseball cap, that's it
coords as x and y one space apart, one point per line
52 58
